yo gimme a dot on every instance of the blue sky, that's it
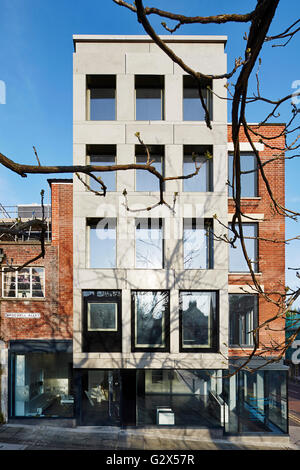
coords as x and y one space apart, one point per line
36 66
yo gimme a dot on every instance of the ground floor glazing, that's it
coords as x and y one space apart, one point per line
44 384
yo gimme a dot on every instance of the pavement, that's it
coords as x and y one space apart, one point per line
39 437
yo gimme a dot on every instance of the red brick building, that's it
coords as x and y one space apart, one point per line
36 311
270 271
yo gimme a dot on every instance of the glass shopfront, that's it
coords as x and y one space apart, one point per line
41 380
256 401
188 398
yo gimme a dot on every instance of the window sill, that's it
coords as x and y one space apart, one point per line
243 274
24 299
254 198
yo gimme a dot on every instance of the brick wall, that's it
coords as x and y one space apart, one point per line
55 309
271 255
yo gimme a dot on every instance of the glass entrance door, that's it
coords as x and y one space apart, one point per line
101 398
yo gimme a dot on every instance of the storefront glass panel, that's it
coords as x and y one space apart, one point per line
42 385
179 397
256 401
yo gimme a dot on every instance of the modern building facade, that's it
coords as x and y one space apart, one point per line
160 313
143 315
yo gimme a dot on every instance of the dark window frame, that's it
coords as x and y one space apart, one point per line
236 315
215 328
101 341
135 348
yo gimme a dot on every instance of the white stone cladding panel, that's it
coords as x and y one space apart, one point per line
219 100
79 97
155 133
198 133
208 64
125 95
100 63
173 167
184 48
148 64
111 48
126 178
173 98
94 132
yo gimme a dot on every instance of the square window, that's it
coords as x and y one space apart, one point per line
145 181
102 317
203 181
102 243
237 262
149 91
101 96
198 243
198 320
102 155
243 317
150 320
149 243
192 106
249 186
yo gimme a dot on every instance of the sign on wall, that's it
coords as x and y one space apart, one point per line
22 315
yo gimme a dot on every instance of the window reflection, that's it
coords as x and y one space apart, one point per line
198 314
43 385
102 243
150 319
26 283
149 243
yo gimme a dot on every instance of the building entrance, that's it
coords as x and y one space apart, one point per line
100 398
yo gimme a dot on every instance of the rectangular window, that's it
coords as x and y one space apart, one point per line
102 243
237 261
149 244
198 243
101 329
101 97
242 318
197 155
198 320
150 320
145 181
41 385
192 106
248 179
149 91
102 155
29 282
